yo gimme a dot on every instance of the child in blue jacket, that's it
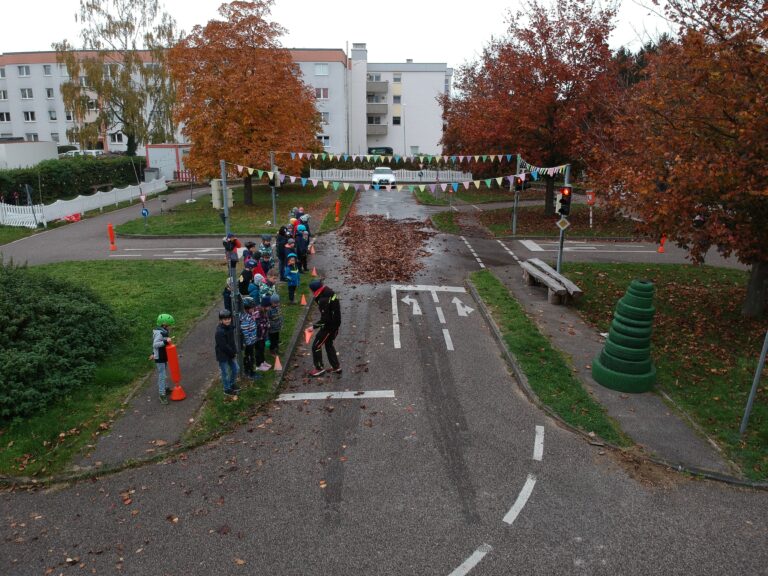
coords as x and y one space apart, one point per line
292 276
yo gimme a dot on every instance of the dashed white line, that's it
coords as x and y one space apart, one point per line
448 341
522 498
347 395
538 445
472 561
472 251
509 251
440 314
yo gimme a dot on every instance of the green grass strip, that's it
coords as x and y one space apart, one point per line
329 222
137 291
547 370
445 222
428 199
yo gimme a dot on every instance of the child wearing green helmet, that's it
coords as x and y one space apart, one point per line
160 339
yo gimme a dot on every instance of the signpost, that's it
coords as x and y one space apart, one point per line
590 202
145 214
563 223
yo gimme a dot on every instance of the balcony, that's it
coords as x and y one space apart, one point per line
377 130
380 87
376 109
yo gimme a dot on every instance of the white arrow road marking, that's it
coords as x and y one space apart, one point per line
538 445
472 561
347 395
418 288
411 302
461 308
522 498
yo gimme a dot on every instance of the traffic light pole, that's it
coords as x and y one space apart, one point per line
567 179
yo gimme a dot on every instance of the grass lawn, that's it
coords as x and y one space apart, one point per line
547 371
531 221
12 233
220 414
428 199
201 218
446 222
329 222
705 352
138 291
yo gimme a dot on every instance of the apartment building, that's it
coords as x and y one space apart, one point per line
363 105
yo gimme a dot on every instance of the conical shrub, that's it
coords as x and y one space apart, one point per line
625 362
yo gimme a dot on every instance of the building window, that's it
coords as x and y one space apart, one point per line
31 137
325 117
68 115
321 93
63 70
374 119
6 135
23 70
55 136
46 69
51 114
5 116
49 93
324 140
321 69
396 99
26 93
3 94
83 81
397 77
374 77
92 105
29 116
396 120
116 138
2 72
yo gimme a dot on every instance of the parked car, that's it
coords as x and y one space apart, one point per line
383 176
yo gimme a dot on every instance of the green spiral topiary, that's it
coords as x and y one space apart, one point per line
625 362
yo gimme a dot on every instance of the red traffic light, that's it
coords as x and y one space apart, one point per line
565 191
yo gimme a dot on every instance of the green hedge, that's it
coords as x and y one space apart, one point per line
70 177
51 333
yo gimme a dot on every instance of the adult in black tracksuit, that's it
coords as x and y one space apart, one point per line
327 328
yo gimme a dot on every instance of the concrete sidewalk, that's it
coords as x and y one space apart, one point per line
658 428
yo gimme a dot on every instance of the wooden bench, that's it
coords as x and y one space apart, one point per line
560 290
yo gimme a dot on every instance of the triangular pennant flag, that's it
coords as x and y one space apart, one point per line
270 175
239 169
422 187
498 180
323 156
260 173
303 182
376 186
293 155
314 182
509 157
477 158
345 186
344 157
251 171
366 187
444 187
466 184
336 185
432 188
282 178
326 183
488 182
476 183
484 158
293 179
455 186
399 187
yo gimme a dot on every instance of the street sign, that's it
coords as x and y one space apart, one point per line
591 197
144 212
562 223
143 198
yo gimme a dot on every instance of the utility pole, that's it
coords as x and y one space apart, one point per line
272 167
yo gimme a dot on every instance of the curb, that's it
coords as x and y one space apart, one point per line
522 381
14 482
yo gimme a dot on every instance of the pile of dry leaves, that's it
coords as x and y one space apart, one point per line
377 249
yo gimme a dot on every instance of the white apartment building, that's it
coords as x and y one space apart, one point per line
391 107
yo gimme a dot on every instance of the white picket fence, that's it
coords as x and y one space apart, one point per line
33 216
364 175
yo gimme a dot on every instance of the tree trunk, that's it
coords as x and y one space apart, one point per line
131 145
757 290
549 198
248 189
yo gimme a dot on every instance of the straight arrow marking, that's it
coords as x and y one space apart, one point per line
461 309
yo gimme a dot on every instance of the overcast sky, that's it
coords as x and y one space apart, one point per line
394 30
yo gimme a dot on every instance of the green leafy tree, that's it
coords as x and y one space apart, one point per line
119 78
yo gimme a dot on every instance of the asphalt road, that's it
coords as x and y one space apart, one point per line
451 471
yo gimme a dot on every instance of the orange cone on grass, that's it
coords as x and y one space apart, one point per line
314 271
662 242
303 300
278 366
307 335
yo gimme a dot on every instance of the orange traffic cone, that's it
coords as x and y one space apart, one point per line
303 300
278 366
178 393
314 271
307 335
662 242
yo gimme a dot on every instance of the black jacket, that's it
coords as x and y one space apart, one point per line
225 343
330 310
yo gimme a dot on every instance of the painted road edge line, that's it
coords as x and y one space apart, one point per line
346 395
538 444
472 561
522 498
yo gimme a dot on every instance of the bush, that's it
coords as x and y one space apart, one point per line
51 332
70 177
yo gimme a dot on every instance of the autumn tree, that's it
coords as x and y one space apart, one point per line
240 94
537 89
119 79
687 151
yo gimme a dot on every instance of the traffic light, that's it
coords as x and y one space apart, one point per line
518 184
564 200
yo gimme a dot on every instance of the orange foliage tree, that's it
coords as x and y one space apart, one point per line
687 150
537 90
239 93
